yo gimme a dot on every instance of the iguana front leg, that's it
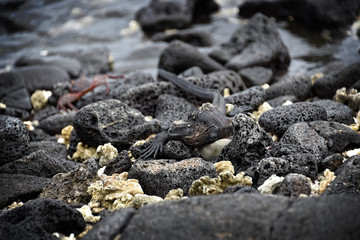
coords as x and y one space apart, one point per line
156 146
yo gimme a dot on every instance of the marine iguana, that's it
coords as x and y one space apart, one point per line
202 127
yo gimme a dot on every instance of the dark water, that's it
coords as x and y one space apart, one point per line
69 24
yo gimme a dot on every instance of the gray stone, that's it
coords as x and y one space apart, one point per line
37 164
179 56
337 112
112 121
121 163
331 162
293 186
249 143
299 86
256 76
301 134
39 219
72 187
191 36
252 97
158 177
256 43
279 119
14 138
14 187
272 165
53 149
278 101
55 123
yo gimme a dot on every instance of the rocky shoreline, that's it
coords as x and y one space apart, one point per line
74 129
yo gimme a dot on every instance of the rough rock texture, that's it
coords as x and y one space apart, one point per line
337 112
38 163
313 14
303 135
121 163
256 76
161 15
39 219
14 187
53 149
247 216
252 97
297 85
111 226
326 87
255 44
112 121
300 159
55 123
158 177
270 166
70 65
337 136
347 179
42 77
294 185
331 162
72 187
93 59
170 108
13 92
14 139
179 56
279 119
248 145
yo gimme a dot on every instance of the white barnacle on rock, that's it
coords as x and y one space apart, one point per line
39 99
106 153
270 184
65 135
2 105
84 153
351 153
141 200
174 194
261 109
208 186
87 214
326 179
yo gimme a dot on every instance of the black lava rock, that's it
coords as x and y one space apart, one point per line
249 143
331 162
272 165
191 36
42 77
158 177
347 179
337 136
326 87
313 14
121 163
303 135
252 97
53 149
70 65
256 76
161 15
297 85
111 226
39 219
37 164
13 92
337 112
294 185
279 119
179 56
170 108
255 44
55 123
112 121
14 138
247 216
22 187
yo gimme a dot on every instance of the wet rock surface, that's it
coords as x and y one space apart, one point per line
83 143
